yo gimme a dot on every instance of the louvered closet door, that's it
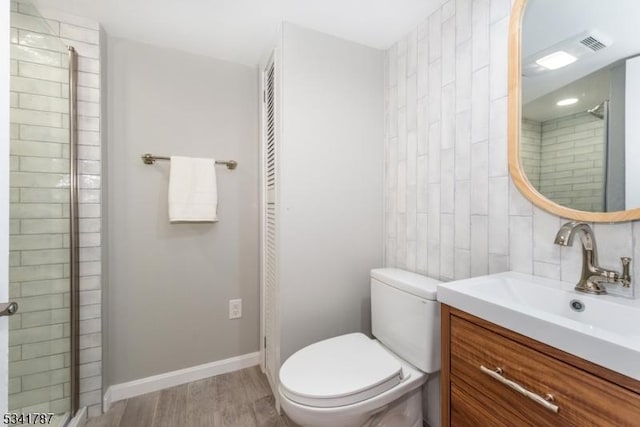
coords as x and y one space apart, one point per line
270 250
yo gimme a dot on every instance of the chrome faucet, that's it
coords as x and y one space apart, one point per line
593 276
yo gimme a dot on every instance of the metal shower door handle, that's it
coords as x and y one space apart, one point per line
8 308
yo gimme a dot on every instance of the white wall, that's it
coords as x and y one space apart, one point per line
452 211
4 198
632 140
331 185
169 285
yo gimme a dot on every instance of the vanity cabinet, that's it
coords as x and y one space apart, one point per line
494 376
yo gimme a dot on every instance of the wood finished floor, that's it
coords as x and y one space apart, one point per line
239 399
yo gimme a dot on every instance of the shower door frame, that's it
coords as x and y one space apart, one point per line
74 232
5 174
5 57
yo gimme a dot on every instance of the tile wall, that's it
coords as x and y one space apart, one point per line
572 161
530 152
451 209
564 159
39 270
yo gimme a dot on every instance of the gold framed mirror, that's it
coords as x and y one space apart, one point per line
597 181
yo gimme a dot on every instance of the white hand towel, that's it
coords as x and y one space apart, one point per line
193 193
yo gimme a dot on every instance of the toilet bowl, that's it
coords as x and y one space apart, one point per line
352 380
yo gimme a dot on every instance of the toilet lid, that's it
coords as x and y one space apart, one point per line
339 371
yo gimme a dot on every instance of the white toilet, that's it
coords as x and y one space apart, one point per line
352 380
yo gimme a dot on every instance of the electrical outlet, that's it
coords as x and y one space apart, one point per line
235 309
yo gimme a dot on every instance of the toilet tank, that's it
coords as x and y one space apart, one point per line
405 316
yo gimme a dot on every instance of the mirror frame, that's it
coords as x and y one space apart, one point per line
514 130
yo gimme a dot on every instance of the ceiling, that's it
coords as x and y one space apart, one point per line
549 22
242 31
590 91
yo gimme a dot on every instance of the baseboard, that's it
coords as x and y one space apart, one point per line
106 400
80 419
129 389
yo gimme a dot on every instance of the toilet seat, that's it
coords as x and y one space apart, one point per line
339 371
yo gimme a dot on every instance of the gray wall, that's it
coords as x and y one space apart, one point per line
169 285
331 169
632 132
447 85
615 147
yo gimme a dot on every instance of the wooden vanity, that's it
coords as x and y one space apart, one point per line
492 376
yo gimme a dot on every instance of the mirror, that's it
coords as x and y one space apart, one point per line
574 107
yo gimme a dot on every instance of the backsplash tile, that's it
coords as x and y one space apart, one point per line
479 245
468 219
498 215
520 247
618 243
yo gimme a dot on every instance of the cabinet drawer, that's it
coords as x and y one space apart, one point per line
470 408
582 398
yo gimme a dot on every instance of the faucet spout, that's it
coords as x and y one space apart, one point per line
567 232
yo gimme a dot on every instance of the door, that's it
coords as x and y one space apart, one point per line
4 205
35 227
270 224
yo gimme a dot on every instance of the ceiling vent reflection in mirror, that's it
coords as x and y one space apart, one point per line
593 43
578 46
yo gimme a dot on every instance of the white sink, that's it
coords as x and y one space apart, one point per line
606 332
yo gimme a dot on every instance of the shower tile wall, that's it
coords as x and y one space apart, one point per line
572 161
564 159
39 339
451 209
530 151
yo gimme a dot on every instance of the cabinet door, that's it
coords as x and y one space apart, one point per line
472 408
582 398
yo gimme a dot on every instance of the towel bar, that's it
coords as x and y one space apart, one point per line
149 159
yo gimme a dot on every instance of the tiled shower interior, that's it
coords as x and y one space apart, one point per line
564 159
39 338
39 273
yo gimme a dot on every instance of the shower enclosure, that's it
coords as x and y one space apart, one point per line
43 269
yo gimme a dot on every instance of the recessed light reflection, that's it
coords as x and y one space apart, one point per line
567 101
556 60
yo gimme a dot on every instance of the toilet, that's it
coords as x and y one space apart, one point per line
352 380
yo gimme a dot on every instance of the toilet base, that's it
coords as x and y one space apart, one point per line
405 411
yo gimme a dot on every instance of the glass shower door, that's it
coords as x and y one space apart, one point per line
40 359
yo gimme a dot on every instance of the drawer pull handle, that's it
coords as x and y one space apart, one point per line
544 401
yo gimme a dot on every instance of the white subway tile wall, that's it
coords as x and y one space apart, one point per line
39 366
460 215
530 150
564 159
572 161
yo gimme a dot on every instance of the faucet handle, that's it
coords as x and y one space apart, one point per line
625 279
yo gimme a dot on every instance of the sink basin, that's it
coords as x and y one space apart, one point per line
602 329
